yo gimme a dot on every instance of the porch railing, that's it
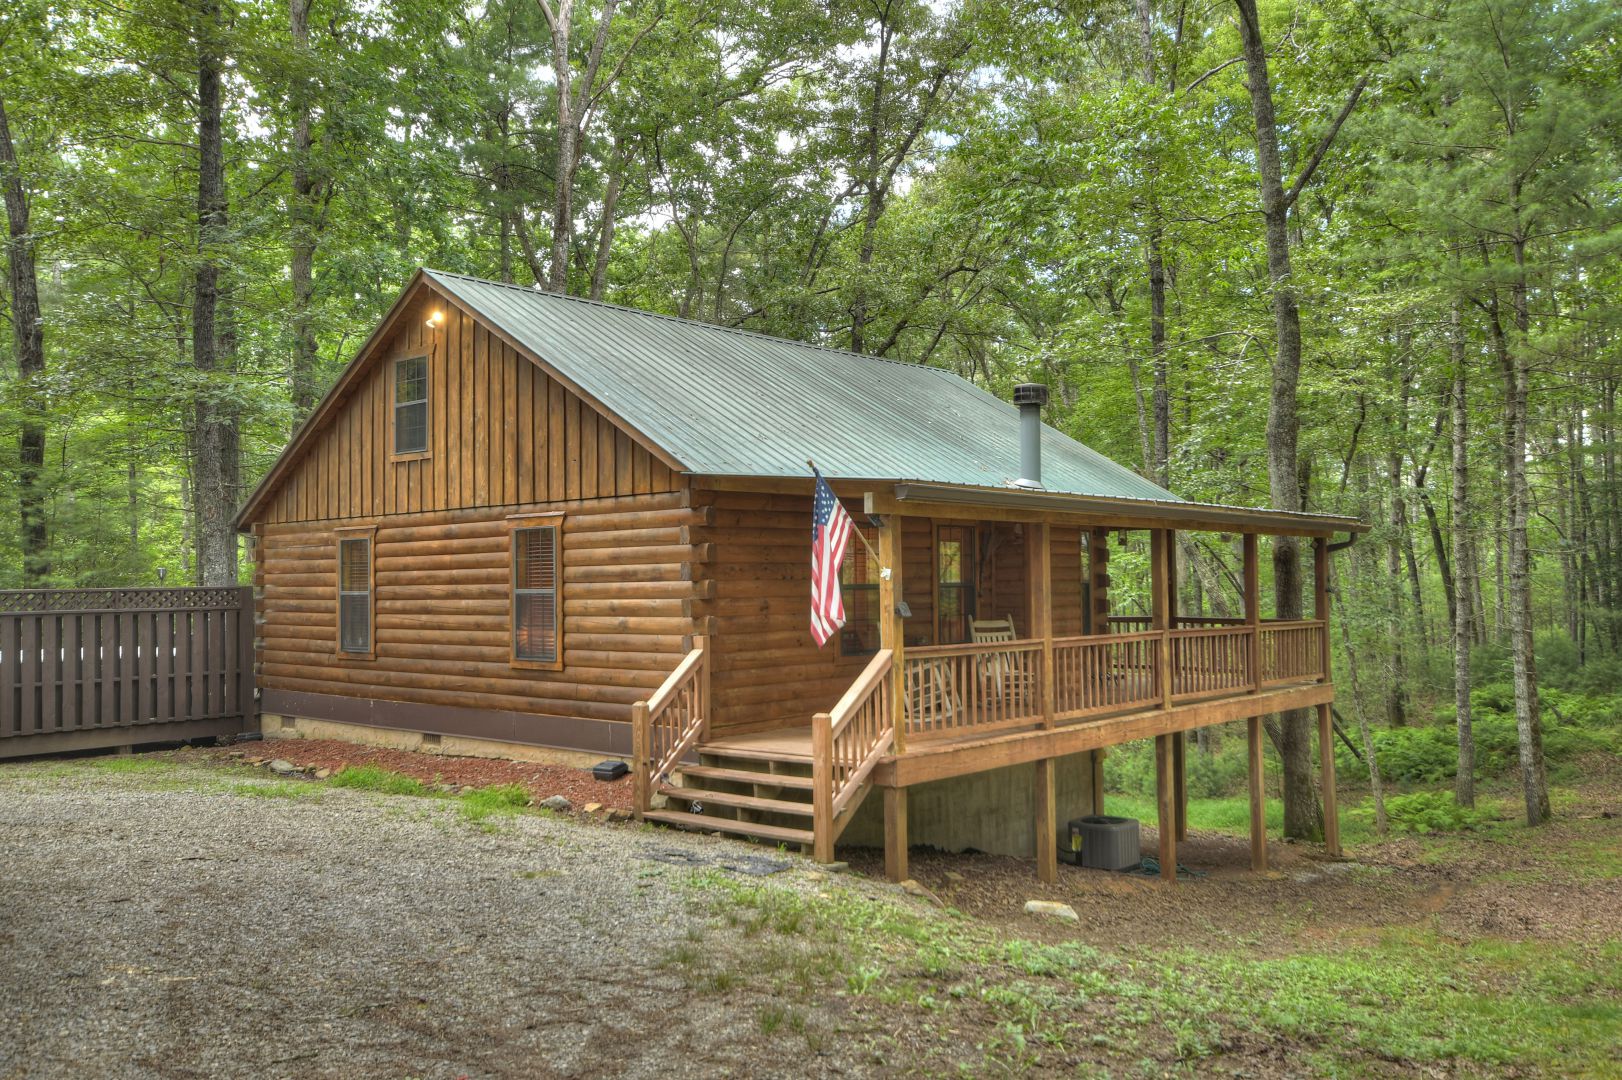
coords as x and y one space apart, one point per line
1105 673
950 689
1210 660
1292 651
669 724
970 689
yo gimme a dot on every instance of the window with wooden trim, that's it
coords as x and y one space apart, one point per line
355 595
411 405
536 634
859 587
954 583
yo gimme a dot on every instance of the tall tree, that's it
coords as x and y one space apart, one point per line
28 338
215 437
1303 816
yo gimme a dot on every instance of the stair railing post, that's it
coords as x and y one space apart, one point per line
822 788
641 780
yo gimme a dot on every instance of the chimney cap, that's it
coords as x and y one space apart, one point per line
1031 393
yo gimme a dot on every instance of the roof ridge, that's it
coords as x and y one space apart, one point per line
532 291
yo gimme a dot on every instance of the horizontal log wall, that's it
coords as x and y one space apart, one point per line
768 671
500 433
443 626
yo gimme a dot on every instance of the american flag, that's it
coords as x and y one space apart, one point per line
830 533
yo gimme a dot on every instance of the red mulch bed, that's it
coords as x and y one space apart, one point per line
541 781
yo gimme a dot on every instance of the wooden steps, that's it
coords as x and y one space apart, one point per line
746 776
729 825
750 786
713 797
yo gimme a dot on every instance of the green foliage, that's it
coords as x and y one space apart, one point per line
1430 812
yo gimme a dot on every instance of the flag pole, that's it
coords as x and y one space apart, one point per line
884 571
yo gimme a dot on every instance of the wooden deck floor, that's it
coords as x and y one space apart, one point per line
938 755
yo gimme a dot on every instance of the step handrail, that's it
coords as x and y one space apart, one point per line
846 746
669 723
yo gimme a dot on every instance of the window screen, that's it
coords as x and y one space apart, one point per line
535 594
411 405
355 595
859 585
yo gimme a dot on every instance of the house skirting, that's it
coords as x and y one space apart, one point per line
563 740
992 811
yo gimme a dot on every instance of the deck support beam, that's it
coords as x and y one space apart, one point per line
892 631
1097 757
1167 823
1326 766
1179 781
1258 796
1046 803
895 834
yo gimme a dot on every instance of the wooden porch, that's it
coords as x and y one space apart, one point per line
923 713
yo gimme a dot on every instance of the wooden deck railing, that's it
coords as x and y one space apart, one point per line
956 690
1292 651
669 724
847 744
1210 660
1105 673
951 689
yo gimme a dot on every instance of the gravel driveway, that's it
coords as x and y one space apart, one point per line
166 923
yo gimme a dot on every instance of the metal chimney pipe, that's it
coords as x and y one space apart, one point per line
1030 397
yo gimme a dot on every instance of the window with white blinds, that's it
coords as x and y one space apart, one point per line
535 594
355 595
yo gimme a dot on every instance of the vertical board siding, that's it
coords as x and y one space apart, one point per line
442 598
500 433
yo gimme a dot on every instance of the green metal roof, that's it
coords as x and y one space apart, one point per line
728 402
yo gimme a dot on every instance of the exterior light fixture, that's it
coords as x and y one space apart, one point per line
435 319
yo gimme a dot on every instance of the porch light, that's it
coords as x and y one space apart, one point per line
435 319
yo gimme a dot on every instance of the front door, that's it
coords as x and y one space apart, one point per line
954 583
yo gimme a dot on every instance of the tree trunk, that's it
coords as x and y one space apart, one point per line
214 435
303 215
1528 724
28 340
1160 467
1464 785
1397 688
605 233
1303 817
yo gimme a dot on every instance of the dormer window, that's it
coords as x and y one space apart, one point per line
411 405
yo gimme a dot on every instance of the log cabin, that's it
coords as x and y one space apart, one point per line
529 524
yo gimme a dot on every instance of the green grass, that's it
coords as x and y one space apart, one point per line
275 790
499 800
372 778
1480 1007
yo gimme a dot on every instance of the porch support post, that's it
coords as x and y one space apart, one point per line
1098 576
892 629
895 833
1253 610
1320 600
1098 780
1167 814
1160 613
1047 838
1258 797
1179 780
822 788
1039 584
1326 766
